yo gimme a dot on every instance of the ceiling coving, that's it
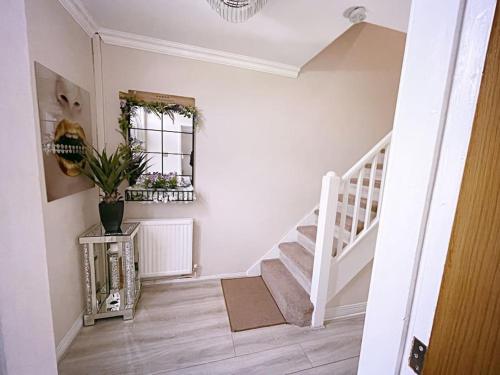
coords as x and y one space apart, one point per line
237 10
278 36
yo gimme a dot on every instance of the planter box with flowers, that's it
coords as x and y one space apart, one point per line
157 187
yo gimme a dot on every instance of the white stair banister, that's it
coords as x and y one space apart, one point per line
368 156
324 244
368 188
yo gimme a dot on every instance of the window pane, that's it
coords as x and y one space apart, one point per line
150 140
178 124
178 143
153 121
185 122
144 120
177 163
154 164
137 121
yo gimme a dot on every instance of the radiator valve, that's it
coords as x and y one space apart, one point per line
195 270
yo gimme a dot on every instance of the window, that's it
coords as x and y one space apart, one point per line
160 129
168 142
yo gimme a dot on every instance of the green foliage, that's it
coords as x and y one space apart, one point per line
107 172
138 166
172 183
160 181
138 161
131 103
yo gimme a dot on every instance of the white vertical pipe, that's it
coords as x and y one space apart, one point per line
323 250
100 140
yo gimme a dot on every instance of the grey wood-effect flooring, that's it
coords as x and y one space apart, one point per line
183 328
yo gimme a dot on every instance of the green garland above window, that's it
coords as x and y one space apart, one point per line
130 104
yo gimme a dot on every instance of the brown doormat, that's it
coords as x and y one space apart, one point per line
249 304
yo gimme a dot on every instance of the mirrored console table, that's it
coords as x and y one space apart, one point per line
111 273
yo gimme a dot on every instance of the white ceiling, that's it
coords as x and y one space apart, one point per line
285 31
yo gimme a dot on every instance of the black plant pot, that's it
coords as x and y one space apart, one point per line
111 216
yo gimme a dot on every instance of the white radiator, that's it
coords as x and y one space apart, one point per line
165 247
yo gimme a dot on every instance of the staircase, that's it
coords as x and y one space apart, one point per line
328 250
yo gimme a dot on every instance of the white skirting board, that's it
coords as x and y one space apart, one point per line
345 311
68 338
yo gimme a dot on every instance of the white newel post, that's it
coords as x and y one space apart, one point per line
324 243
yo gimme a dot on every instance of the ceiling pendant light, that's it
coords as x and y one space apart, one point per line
355 14
237 10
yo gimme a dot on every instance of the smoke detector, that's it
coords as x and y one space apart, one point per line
355 14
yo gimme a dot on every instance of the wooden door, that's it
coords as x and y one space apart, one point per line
465 337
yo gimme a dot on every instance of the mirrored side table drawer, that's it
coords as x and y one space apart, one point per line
111 273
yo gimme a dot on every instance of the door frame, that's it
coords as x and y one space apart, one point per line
440 79
457 134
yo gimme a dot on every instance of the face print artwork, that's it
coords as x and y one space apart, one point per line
65 128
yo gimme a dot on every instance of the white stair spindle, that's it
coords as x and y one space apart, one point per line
343 214
371 188
357 203
382 182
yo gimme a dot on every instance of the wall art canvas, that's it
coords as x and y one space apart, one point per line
66 128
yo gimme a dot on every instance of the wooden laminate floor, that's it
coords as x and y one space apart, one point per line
183 328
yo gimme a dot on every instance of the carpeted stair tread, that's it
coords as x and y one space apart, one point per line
300 256
379 166
362 202
310 232
350 201
292 300
348 221
366 182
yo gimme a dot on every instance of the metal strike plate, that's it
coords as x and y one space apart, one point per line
417 355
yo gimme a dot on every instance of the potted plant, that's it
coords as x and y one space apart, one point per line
138 160
108 172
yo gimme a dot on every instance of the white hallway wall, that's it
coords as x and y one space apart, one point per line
266 140
58 42
26 334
